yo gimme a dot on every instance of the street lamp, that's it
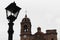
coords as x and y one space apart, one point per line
12 12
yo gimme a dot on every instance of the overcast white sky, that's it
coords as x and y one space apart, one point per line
43 13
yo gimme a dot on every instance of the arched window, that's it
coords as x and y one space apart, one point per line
25 28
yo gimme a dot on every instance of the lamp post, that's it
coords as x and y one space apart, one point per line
12 12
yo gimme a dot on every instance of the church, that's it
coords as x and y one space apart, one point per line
39 35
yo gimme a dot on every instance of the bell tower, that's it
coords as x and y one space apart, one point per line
25 28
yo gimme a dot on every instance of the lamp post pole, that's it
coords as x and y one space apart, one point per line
10 31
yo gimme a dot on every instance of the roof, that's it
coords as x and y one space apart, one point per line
39 33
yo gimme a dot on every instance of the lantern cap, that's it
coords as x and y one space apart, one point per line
13 8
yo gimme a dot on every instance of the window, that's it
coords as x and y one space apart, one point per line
25 28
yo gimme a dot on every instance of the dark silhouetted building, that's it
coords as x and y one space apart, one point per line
39 35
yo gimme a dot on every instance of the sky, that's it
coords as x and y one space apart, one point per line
42 13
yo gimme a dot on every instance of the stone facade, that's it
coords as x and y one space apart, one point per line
39 35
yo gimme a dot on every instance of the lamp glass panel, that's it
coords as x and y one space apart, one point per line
9 13
16 14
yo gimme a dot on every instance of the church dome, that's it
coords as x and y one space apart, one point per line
25 19
39 31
